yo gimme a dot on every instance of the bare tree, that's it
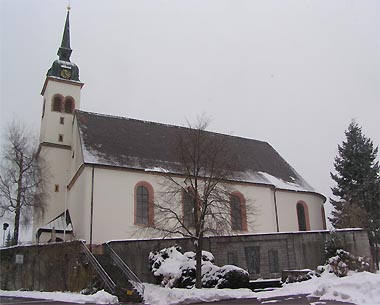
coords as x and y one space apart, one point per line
22 178
197 200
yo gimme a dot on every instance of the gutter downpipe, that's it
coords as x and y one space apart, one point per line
92 204
65 214
275 207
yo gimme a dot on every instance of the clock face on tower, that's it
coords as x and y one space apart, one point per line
65 73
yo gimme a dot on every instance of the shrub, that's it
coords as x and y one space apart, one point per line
344 261
171 268
233 277
293 276
333 243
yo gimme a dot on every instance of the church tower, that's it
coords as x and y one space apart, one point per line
61 96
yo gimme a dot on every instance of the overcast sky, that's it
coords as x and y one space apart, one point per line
293 73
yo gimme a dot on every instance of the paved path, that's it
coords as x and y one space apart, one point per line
288 300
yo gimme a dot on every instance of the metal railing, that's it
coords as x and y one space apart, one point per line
128 273
108 282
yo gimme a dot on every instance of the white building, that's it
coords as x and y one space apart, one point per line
99 164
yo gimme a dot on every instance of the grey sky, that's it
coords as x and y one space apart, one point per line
292 73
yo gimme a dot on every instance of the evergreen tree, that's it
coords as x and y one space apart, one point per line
9 240
357 187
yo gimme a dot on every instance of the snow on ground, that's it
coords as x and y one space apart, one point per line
362 288
155 295
359 288
101 297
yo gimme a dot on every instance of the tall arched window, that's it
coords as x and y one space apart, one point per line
238 212
57 103
188 208
303 216
324 227
144 204
69 105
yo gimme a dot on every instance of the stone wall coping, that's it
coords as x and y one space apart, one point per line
274 234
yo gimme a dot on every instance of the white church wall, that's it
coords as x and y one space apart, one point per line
261 215
56 160
113 206
287 209
76 151
79 204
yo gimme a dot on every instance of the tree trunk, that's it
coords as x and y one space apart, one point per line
18 201
17 225
198 264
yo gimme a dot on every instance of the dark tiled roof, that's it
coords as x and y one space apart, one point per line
130 143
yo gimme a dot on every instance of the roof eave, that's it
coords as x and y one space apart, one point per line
126 168
59 80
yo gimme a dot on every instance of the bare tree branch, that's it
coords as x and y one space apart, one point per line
22 177
205 169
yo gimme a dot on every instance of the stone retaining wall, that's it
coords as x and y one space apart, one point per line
48 267
63 266
263 255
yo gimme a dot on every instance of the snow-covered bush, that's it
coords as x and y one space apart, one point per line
171 268
333 243
232 277
293 276
344 261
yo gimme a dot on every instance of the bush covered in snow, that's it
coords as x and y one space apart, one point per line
171 268
294 276
344 261
333 243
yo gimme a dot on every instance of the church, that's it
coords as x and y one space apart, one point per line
105 172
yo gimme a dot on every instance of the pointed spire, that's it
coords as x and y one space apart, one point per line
64 52
63 67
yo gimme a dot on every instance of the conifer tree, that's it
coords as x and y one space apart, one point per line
357 187
9 240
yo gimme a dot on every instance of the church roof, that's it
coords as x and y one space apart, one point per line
141 145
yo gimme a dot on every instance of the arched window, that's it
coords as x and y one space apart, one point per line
57 103
238 212
144 204
324 227
188 208
69 105
303 216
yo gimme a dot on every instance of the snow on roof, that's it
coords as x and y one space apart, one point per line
61 223
149 146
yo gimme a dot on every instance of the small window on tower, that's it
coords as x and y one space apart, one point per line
61 120
56 188
57 103
60 138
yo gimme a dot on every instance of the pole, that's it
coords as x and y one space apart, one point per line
65 213
92 204
275 208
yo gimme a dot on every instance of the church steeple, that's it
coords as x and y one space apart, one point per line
64 52
63 68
